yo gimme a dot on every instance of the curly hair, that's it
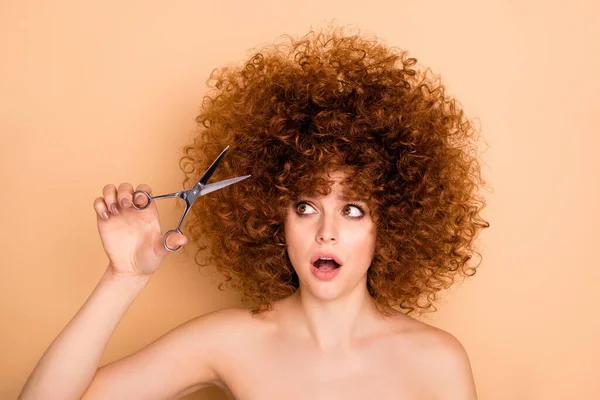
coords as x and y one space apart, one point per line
330 101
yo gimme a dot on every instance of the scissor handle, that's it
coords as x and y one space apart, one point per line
150 198
189 196
165 240
183 194
145 194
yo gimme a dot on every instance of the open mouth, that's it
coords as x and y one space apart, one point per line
326 264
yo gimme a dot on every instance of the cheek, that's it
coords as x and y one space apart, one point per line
362 241
288 230
293 239
296 238
294 228
364 234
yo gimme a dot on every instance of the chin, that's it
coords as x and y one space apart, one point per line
325 294
324 290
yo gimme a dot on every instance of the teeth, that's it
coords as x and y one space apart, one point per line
316 263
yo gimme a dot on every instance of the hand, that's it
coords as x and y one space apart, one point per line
131 238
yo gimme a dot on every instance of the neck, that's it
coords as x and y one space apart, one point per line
335 323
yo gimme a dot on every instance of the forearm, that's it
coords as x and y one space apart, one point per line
68 366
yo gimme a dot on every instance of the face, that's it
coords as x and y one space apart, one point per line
332 227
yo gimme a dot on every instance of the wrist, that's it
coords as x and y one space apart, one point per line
127 279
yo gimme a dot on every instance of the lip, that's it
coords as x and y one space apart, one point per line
326 255
324 275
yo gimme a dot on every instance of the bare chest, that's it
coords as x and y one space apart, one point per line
280 371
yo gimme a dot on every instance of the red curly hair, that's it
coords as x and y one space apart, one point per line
330 101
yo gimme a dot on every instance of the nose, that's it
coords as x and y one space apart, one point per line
327 232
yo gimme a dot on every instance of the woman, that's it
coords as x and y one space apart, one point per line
362 206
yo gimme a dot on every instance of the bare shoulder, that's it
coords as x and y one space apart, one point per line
442 359
227 327
224 319
181 361
231 328
218 339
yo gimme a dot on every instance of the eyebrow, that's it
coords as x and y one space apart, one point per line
343 198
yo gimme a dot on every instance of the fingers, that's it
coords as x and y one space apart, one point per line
110 198
124 195
113 200
140 199
100 208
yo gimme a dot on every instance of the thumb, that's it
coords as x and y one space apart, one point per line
175 240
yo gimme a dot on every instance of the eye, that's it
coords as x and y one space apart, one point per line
301 208
350 210
347 210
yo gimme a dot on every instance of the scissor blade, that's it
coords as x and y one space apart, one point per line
208 173
220 185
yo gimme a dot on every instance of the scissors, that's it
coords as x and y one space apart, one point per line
190 196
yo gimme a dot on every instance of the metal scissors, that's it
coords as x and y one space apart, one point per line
190 196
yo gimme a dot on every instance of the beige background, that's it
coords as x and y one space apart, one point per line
105 92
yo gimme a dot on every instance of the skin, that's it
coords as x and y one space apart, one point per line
326 341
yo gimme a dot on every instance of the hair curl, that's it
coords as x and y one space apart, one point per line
329 101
